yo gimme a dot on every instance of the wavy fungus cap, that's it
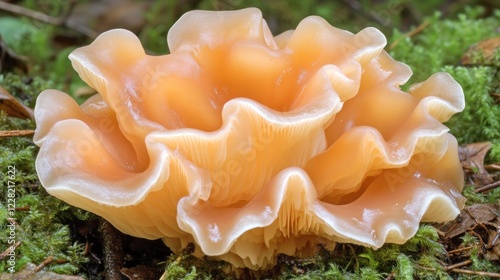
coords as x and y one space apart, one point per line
251 145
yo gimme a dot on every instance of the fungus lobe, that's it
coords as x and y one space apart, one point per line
251 145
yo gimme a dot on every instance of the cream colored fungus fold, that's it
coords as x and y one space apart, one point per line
251 145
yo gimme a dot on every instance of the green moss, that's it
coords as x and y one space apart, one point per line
404 267
185 266
22 35
480 120
419 258
478 262
25 88
416 258
40 219
175 270
49 67
492 196
442 42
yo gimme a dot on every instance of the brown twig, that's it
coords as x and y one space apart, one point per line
480 273
87 248
460 250
475 220
64 21
493 166
457 265
8 250
24 208
478 236
488 187
418 29
45 262
16 133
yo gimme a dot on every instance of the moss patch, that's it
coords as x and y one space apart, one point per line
40 220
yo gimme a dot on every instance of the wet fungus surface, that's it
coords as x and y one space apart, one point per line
251 145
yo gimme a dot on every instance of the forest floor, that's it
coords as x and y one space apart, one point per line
53 240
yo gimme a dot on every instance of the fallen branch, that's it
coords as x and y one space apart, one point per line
488 187
480 273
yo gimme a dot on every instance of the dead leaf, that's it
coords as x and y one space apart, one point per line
12 107
472 158
482 213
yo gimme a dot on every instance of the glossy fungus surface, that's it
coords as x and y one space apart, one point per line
251 145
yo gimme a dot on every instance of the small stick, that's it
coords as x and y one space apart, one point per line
475 220
16 133
472 232
492 166
25 208
488 187
481 273
411 33
45 262
4 253
460 250
87 248
457 265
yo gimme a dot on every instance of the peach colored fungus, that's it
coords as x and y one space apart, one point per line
251 145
